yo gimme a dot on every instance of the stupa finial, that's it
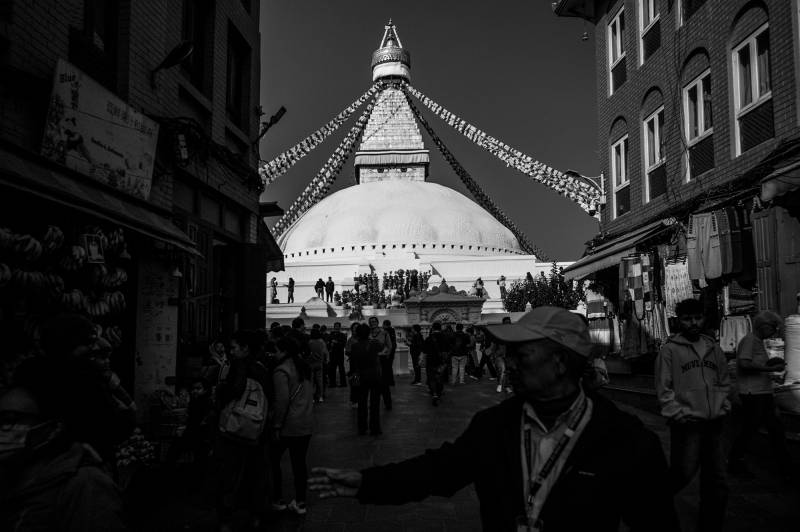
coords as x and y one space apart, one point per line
391 59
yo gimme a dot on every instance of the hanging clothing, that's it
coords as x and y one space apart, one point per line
740 300
595 305
731 331
736 239
726 251
703 247
677 285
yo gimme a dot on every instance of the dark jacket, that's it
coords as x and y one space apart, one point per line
365 363
617 471
435 347
461 344
67 491
337 342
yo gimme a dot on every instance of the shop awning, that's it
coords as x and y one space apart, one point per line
781 181
40 179
610 253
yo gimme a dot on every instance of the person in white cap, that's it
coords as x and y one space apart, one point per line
561 460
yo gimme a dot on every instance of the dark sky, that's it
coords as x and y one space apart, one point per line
509 67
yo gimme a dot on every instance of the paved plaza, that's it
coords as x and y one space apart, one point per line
764 504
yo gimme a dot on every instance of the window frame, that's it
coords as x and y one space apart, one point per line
658 144
702 131
757 98
623 142
644 29
617 46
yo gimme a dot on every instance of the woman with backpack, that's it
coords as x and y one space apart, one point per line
241 448
292 422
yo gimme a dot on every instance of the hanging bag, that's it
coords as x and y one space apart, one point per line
243 419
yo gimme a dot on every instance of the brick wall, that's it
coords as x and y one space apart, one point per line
148 29
704 40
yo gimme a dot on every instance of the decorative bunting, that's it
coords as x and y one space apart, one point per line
278 166
319 186
480 196
581 192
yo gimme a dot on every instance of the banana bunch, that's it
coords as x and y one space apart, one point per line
74 300
115 279
114 335
53 239
54 284
74 259
27 248
116 240
116 302
7 238
5 274
27 281
97 307
97 275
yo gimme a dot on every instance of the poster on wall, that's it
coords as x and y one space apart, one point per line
94 132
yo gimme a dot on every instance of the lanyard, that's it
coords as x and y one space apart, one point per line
534 485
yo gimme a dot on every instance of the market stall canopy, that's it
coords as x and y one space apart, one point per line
46 180
782 181
610 253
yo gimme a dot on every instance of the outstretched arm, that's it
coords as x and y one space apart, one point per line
436 472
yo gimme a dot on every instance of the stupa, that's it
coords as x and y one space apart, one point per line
394 217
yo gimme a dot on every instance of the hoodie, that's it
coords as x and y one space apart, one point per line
692 383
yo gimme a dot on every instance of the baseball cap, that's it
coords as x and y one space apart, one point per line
554 323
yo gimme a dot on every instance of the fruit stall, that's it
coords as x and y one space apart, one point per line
49 269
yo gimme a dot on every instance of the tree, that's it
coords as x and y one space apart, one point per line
553 290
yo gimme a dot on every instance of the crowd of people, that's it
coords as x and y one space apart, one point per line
580 462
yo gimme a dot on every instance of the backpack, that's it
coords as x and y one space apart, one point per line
244 419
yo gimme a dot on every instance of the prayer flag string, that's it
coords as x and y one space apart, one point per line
477 192
319 186
581 192
281 164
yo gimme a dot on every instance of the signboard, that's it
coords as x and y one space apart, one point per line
91 130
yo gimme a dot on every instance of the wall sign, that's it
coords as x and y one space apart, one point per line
94 132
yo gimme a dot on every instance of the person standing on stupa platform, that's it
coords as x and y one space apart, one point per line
290 287
329 288
319 287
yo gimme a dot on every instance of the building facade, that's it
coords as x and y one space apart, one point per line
697 123
170 92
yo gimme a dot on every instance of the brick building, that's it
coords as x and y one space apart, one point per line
185 75
697 113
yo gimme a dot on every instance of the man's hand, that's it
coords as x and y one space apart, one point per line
334 482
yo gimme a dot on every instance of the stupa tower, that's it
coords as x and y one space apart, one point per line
391 146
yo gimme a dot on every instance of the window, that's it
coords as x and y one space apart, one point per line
697 108
616 51
699 124
753 88
619 173
195 30
654 155
94 49
237 79
649 28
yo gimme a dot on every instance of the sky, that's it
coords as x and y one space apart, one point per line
509 67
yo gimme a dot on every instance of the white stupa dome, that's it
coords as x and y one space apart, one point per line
400 215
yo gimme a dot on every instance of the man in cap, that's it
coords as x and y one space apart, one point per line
561 460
